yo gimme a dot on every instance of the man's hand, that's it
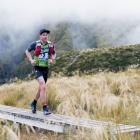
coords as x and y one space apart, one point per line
33 62
51 61
54 61
29 56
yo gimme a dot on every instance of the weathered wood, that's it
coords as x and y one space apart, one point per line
59 123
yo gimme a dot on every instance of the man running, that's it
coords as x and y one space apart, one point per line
44 54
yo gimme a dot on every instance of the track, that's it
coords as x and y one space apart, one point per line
59 123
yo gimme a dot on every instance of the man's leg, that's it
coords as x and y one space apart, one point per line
34 102
37 95
42 87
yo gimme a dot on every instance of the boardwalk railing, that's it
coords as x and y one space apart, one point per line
59 123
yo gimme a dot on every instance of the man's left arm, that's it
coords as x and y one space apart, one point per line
52 53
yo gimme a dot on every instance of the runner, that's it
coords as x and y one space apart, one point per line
44 54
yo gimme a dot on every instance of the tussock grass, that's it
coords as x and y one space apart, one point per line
103 96
7 133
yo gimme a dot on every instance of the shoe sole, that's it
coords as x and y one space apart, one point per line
34 112
48 113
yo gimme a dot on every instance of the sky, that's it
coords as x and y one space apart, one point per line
23 13
26 15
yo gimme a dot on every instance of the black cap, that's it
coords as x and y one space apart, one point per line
44 31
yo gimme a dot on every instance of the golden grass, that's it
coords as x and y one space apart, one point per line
103 96
6 133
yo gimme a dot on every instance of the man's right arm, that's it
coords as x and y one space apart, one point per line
28 54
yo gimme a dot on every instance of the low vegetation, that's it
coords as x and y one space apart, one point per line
95 60
103 96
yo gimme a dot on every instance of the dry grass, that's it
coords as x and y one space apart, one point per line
6 133
104 96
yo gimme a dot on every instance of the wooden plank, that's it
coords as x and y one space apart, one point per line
57 122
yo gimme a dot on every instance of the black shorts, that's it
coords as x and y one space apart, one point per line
41 71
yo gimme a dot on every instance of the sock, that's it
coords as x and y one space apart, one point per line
34 101
45 106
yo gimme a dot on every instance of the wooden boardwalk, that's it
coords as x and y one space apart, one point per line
59 123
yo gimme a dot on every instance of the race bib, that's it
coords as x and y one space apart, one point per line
43 56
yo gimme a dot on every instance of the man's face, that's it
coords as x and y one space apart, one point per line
44 37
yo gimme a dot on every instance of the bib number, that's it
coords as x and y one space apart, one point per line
43 56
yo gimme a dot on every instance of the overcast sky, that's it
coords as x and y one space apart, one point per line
26 12
22 15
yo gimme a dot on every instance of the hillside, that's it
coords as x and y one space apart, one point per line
70 38
89 61
95 60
